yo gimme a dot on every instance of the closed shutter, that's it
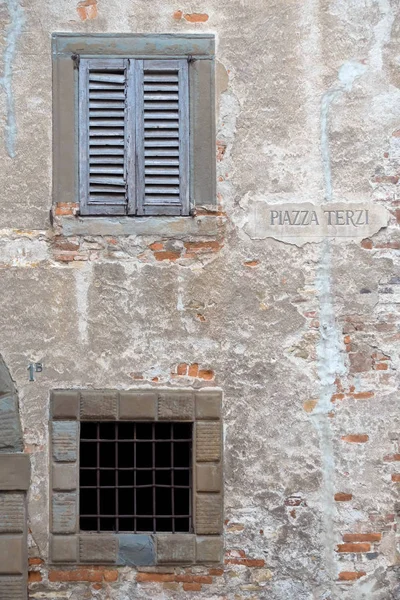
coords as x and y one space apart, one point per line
162 137
103 136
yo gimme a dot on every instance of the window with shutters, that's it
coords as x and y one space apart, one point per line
141 140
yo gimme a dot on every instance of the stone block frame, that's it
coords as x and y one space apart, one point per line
201 407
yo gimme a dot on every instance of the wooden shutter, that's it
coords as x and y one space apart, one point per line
162 137
104 136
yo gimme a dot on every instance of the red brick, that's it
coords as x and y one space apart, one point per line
111 575
343 497
35 561
97 586
65 244
248 562
156 246
251 263
363 547
210 246
154 577
76 575
351 575
362 537
207 374
391 457
196 17
34 577
182 369
87 9
363 395
396 477
193 370
386 179
167 255
65 208
356 438
202 579
192 587
184 578
381 367
367 244
216 572
177 15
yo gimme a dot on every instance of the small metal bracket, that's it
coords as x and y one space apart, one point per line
190 59
76 58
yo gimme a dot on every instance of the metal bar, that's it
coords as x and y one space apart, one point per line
153 452
134 478
172 479
190 529
116 480
98 476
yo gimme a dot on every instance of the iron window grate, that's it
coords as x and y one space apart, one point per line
136 477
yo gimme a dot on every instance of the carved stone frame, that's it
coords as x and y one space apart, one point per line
203 408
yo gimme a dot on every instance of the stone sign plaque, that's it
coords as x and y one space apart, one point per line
303 222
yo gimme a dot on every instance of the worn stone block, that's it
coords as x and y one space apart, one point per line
10 428
208 514
65 476
209 549
137 405
12 553
208 477
136 550
98 548
64 548
177 404
175 548
15 471
64 512
65 441
12 513
208 404
65 404
99 404
12 588
208 441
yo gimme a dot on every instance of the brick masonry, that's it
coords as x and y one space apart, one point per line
203 408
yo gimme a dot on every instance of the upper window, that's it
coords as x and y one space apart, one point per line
134 137
134 123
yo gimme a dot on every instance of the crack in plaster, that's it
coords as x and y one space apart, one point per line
14 31
330 363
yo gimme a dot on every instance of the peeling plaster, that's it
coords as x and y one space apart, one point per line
382 33
14 31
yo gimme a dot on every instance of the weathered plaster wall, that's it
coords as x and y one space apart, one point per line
303 341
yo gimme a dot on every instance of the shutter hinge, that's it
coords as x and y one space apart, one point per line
190 59
193 212
76 58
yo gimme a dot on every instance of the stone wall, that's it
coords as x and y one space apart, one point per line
303 341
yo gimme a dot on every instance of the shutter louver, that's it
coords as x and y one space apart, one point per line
103 136
162 137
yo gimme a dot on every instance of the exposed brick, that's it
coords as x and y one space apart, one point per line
110 576
196 17
354 438
247 562
309 405
34 577
353 547
156 246
216 572
362 537
351 575
65 244
396 477
343 497
154 577
166 255
192 587
91 575
87 9
66 208
177 15
207 374
367 244
391 457
184 578
363 395
251 263
202 579
97 586
33 561
386 179
221 149
202 247
182 369
193 370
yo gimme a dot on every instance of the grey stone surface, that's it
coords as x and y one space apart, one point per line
208 404
136 550
64 476
13 555
99 404
175 548
15 471
98 548
12 588
65 404
137 405
208 519
176 405
208 477
12 513
208 441
65 441
64 548
209 549
64 512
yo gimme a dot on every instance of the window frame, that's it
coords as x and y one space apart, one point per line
202 408
198 49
